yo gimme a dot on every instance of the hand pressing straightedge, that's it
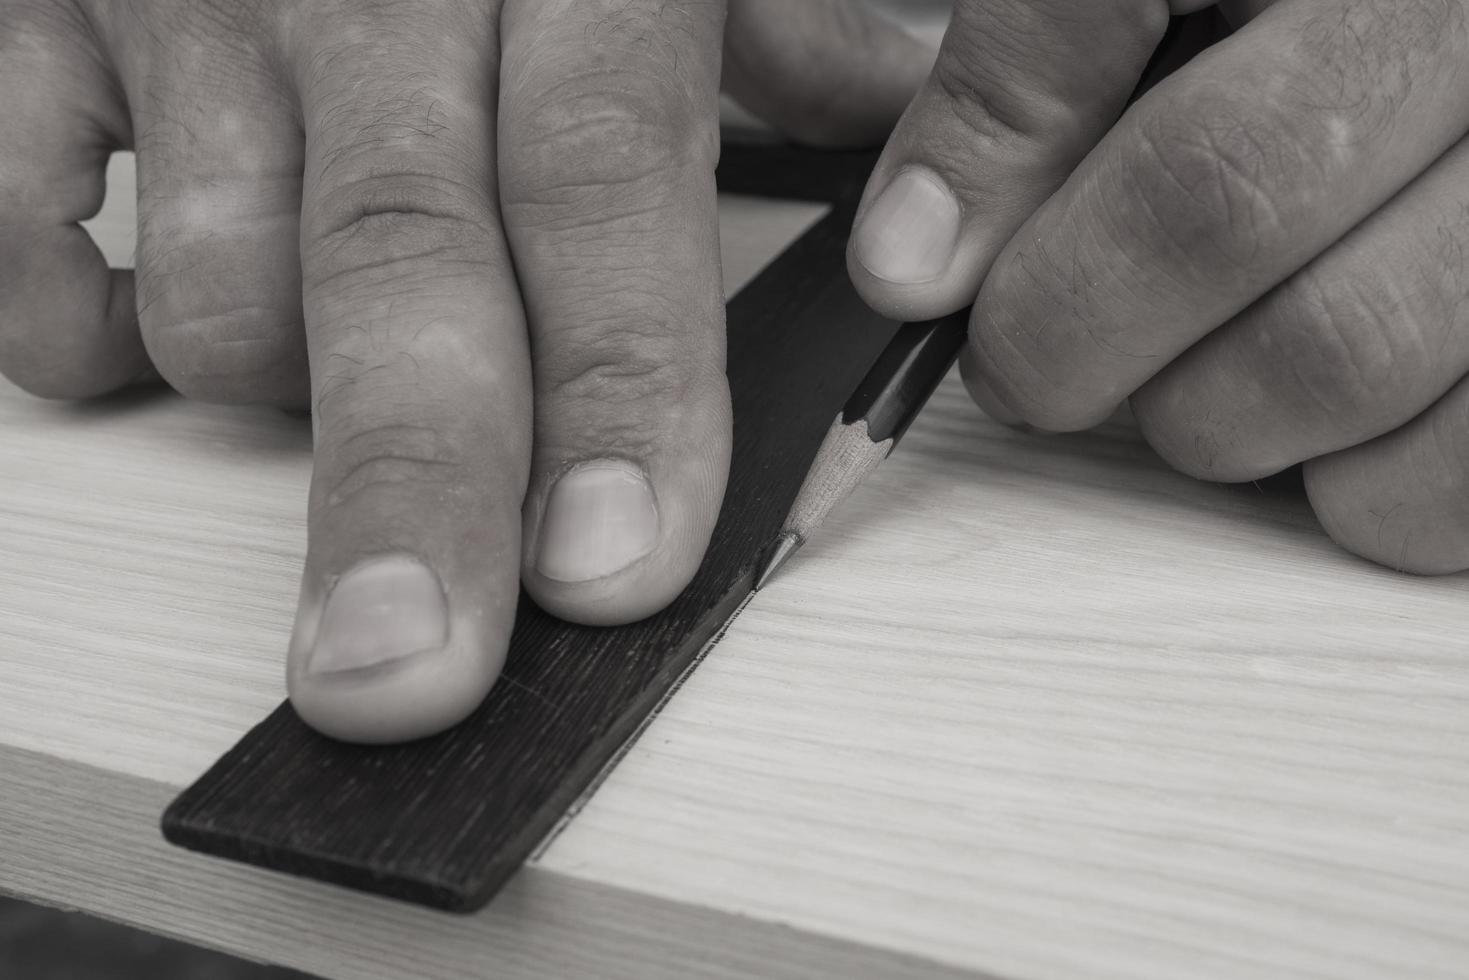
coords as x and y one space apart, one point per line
477 237
1266 254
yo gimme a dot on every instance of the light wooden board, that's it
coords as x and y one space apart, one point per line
1029 707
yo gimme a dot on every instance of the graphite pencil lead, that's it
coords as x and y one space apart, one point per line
778 554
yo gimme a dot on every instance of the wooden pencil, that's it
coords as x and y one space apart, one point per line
869 427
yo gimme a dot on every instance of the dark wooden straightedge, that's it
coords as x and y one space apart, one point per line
445 821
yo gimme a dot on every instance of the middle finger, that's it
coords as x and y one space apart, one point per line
419 368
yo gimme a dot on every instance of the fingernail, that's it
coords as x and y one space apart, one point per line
600 518
382 610
909 233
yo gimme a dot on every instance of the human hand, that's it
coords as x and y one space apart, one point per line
478 239
1265 254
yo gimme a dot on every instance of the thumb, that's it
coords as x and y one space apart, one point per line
1022 90
830 73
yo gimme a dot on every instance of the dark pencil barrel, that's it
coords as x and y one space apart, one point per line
905 376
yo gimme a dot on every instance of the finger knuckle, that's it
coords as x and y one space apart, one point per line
988 70
1368 57
1214 184
972 77
380 456
621 386
603 140
245 355
397 220
984 110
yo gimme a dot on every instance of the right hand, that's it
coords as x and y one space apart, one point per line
1264 254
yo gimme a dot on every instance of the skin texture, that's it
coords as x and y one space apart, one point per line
1264 254
476 238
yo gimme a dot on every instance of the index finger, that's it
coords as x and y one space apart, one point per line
609 136
1217 185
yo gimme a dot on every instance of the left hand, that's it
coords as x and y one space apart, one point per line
1266 254
478 238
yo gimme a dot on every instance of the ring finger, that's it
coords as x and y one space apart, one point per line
219 201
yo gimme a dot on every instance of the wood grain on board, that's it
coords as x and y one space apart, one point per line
1032 708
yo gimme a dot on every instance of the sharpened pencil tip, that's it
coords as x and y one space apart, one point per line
779 553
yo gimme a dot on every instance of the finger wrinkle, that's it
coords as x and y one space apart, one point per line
1217 160
651 34
590 221
223 206
443 354
619 361
416 123
590 112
